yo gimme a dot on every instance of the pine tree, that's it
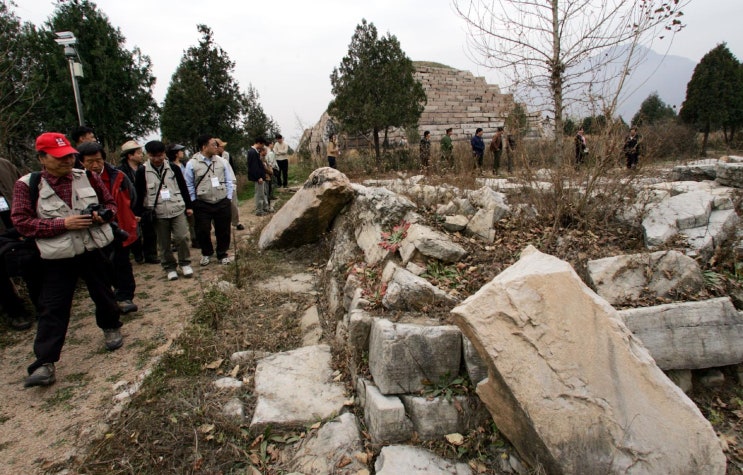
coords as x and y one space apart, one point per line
374 86
653 110
714 93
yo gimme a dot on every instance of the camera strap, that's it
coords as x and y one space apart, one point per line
162 179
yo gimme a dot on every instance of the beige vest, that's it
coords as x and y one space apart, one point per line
205 191
166 208
75 242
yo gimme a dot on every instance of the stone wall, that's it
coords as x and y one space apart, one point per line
456 99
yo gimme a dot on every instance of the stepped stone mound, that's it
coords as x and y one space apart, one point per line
570 386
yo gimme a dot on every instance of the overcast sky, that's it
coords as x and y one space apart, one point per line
288 48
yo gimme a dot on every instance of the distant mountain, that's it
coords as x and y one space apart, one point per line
666 75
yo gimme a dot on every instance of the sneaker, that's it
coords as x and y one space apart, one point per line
225 260
240 227
20 323
187 271
113 339
127 306
42 376
205 260
172 275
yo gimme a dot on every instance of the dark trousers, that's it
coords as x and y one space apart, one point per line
58 281
331 162
123 275
219 213
632 159
283 177
146 246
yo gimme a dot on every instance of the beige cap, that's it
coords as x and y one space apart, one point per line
130 145
220 142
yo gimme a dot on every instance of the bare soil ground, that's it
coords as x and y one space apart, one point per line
185 332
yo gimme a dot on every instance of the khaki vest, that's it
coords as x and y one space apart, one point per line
75 242
205 191
165 208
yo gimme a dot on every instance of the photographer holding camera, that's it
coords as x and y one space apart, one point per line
70 244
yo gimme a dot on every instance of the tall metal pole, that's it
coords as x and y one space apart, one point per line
76 91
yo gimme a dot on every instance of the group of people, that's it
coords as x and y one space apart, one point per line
87 217
631 148
268 165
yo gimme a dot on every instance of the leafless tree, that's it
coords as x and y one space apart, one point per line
561 52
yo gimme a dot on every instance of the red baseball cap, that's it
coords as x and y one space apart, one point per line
54 144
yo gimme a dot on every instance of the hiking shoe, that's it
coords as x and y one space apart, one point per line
42 376
113 339
127 306
172 275
225 260
187 271
205 260
240 227
152 260
20 323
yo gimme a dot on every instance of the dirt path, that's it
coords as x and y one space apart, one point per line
41 427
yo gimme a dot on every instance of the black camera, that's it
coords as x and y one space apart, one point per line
119 234
105 213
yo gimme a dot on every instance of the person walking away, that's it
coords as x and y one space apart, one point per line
68 226
425 149
478 148
257 174
162 191
496 148
581 148
145 247
632 148
93 159
281 149
333 151
447 149
209 183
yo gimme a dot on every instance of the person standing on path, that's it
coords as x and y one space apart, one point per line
581 148
145 247
478 148
447 149
257 174
425 150
176 153
93 158
333 151
70 232
632 148
18 316
234 203
281 149
496 147
209 183
162 190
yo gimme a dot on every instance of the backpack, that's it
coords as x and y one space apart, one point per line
20 255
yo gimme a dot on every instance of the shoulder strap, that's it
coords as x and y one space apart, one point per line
33 188
204 175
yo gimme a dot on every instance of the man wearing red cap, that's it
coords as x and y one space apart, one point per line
67 222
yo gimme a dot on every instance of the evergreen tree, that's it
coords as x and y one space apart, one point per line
256 123
714 94
653 110
116 89
374 86
203 97
21 89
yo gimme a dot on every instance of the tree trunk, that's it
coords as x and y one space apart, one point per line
376 147
556 79
705 139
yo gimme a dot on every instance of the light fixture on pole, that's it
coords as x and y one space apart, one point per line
67 40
